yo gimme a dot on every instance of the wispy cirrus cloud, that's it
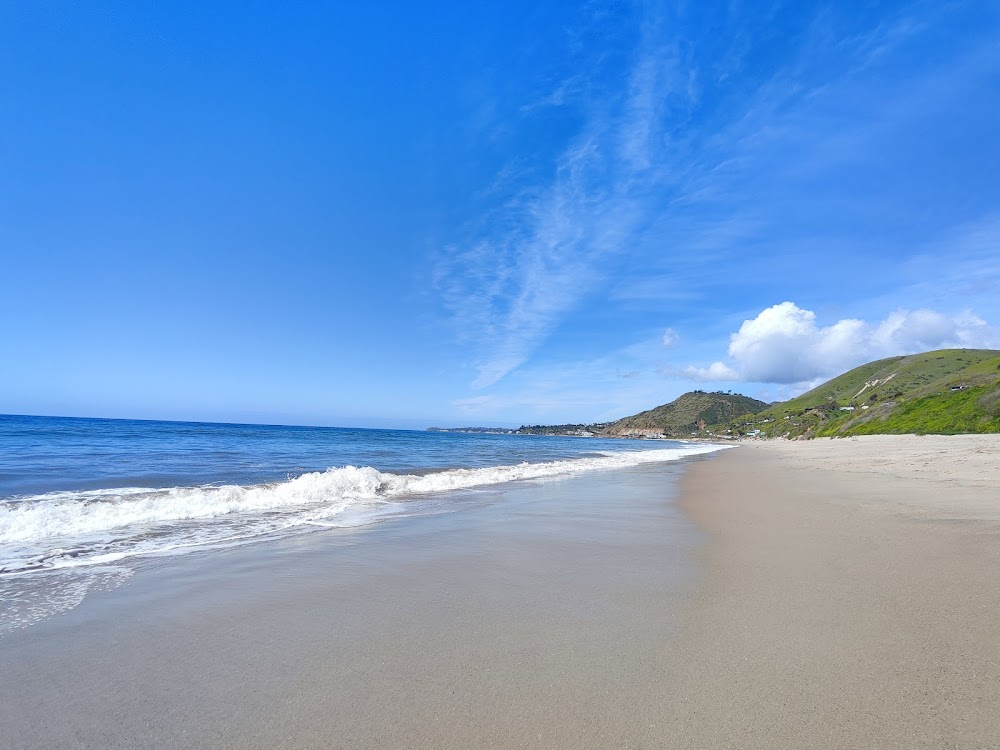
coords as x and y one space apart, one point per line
544 252
965 264
702 171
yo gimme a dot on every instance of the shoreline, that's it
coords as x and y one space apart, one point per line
537 619
70 530
783 595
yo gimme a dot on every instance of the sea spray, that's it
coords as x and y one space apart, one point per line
73 528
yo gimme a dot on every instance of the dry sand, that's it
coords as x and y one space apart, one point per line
817 595
852 597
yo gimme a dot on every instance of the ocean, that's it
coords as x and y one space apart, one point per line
83 501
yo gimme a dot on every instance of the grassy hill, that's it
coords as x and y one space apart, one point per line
693 412
945 391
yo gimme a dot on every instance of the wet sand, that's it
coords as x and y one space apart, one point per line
536 620
828 594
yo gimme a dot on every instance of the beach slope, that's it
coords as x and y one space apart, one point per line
851 597
825 594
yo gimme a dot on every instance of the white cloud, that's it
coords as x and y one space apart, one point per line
783 344
654 174
475 404
715 371
545 247
670 338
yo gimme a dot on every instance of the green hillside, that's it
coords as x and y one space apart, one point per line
946 391
693 412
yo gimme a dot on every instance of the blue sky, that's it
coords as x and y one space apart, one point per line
435 213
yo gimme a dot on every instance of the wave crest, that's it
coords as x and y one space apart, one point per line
44 530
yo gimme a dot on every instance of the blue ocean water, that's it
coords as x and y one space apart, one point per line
47 454
83 499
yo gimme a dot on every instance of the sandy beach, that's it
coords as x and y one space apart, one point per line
533 620
827 594
850 598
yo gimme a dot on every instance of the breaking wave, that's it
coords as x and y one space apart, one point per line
70 529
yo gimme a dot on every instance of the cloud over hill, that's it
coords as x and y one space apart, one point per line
784 344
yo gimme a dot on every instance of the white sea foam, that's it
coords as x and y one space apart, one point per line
70 529
27 602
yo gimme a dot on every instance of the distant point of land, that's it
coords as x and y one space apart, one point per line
945 392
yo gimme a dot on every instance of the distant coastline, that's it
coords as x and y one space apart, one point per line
560 430
946 391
